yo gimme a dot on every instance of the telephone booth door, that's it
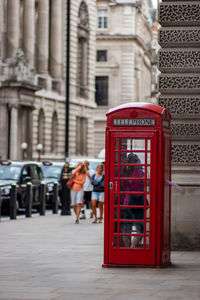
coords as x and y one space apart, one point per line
132 198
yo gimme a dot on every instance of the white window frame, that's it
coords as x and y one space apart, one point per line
102 19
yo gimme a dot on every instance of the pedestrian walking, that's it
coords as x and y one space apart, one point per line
88 188
79 176
98 193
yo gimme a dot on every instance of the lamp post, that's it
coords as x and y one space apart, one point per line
65 199
67 83
24 147
39 149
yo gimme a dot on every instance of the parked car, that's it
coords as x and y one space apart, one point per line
20 173
53 172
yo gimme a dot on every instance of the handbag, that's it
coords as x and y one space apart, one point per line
70 183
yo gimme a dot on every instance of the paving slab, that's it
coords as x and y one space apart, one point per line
52 258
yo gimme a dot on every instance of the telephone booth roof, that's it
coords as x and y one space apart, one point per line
142 105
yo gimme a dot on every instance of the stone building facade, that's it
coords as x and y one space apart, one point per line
32 77
179 85
123 58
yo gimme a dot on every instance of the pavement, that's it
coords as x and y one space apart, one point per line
51 258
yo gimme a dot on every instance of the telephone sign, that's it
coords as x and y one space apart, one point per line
134 122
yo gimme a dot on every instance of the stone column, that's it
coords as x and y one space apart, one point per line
56 39
29 31
179 84
14 133
12 26
43 36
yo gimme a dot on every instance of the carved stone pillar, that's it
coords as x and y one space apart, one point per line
12 26
29 31
43 36
14 133
179 85
56 39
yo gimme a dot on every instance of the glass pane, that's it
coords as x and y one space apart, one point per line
116 213
148 199
148 172
126 144
125 241
148 144
116 157
147 227
131 199
116 144
123 157
148 158
132 185
135 158
115 242
126 227
131 242
116 171
148 214
128 213
115 227
139 144
132 144
123 171
147 242
148 185
116 199
134 172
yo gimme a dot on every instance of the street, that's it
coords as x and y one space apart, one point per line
51 258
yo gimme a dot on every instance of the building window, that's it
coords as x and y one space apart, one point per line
56 86
42 83
54 132
83 51
101 95
81 136
101 55
102 19
41 128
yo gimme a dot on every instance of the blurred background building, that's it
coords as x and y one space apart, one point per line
32 78
110 63
123 58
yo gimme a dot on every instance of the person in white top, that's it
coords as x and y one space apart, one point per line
88 188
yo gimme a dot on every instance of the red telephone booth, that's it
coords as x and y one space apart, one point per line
137 190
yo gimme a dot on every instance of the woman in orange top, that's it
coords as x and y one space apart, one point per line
79 176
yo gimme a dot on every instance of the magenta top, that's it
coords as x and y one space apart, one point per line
134 185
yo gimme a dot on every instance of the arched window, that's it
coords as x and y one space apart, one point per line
41 129
54 132
83 42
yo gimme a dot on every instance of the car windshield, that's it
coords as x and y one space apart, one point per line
10 172
52 171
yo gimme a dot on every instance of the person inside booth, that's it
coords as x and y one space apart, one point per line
128 213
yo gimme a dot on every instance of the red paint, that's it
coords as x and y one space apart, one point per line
152 144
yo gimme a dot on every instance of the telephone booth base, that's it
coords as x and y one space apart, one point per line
136 266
